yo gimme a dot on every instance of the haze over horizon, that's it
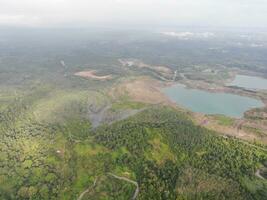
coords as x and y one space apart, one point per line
71 13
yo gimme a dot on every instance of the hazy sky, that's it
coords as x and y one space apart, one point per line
242 13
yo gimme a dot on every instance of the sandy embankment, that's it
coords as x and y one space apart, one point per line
92 74
144 90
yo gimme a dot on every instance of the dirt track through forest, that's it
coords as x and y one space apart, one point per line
130 181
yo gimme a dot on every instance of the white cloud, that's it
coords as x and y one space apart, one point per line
189 35
18 19
163 12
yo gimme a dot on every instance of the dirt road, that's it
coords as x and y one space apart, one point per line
130 181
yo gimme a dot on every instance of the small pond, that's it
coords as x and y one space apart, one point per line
250 82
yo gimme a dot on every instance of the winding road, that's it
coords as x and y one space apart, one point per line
87 190
259 175
130 181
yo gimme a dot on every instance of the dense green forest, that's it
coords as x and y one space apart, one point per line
159 148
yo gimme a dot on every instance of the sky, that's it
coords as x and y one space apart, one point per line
53 13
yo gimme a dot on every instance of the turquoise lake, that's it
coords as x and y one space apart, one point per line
211 103
250 82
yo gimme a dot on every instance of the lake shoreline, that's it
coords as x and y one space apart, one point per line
211 103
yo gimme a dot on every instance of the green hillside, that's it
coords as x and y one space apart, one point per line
159 148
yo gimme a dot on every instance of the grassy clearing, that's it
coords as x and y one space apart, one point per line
193 183
159 151
88 149
255 186
58 103
257 131
122 105
224 120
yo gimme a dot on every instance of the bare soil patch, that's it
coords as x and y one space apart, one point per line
236 130
162 70
144 90
92 74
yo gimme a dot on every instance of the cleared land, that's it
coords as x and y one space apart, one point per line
145 90
92 74
163 71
